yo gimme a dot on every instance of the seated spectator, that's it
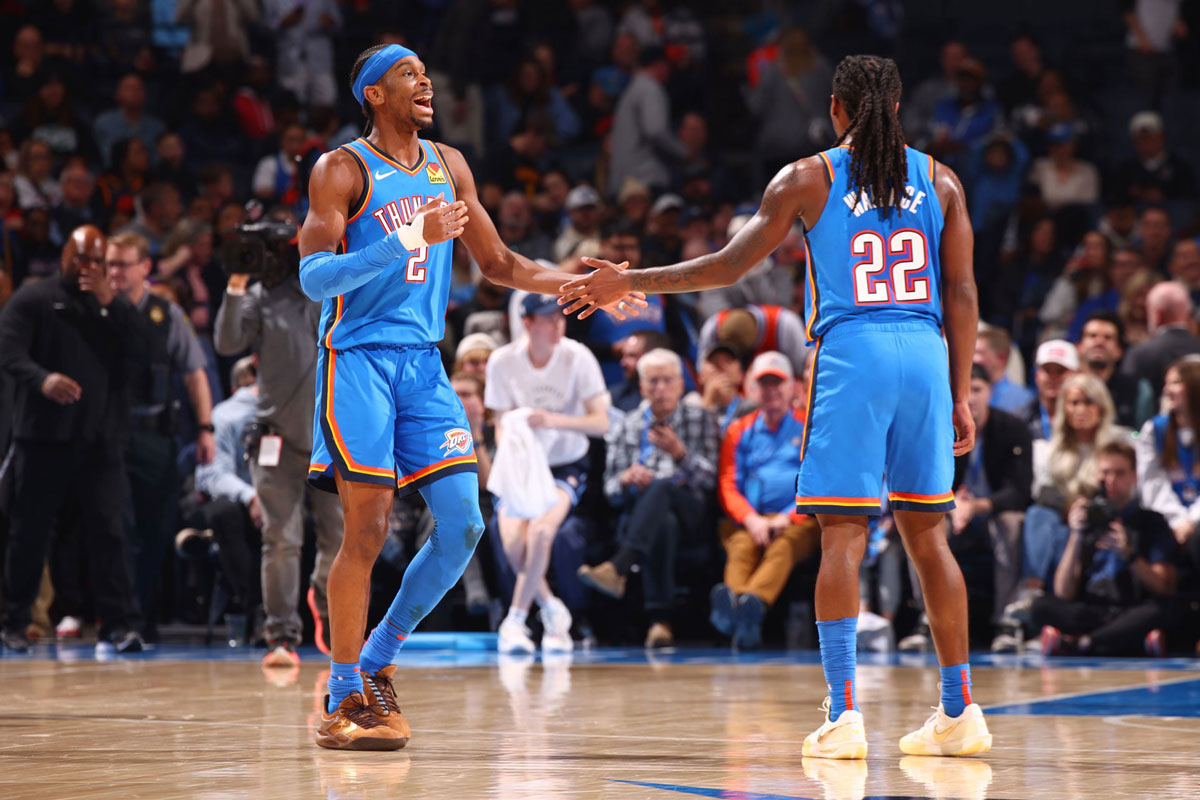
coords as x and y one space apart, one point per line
1114 585
1131 310
1168 317
1124 264
78 206
662 466
171 167
1064 469
992 349
627 395
276 178
918 111
471 356
970 115
514 222
1154 238
232 515
35 183
1055 360
1061 178
1154 174
1185 265
518 164
757 330
721 384
662 243
764 537
529 89
128 120
1100 350
583 211
1168 467
991 501
560 381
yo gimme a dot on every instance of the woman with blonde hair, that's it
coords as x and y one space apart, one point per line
1132 307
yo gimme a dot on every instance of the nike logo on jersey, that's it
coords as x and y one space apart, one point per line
381 175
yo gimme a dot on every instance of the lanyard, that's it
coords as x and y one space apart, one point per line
646 449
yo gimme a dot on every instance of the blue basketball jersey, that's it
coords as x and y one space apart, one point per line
868 267
406 302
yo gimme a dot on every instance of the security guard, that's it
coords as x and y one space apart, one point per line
172 349
65 341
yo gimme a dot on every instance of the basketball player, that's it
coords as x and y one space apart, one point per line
387 419
889 266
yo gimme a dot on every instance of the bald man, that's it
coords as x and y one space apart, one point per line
64 342
1169 316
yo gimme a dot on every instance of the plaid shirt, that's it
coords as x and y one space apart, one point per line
696 428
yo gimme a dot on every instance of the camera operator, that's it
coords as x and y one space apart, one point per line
1115 583
275 320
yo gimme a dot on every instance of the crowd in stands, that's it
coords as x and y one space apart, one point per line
637 131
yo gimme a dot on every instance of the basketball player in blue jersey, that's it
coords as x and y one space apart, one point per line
889 268
376 248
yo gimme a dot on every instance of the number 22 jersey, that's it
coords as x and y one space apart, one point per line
867 267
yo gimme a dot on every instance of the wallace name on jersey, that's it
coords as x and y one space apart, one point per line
859 203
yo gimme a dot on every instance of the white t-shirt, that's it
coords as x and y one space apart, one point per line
570 378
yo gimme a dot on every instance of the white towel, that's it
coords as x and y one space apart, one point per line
520 474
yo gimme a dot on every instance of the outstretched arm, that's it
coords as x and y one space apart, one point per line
783 201
960 301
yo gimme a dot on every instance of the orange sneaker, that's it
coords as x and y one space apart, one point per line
384 705
354 726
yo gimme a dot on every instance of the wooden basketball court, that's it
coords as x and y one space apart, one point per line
196 722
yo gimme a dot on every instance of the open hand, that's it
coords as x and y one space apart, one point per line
61 389
442 221
608 288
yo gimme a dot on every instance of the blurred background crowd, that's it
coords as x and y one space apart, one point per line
633 130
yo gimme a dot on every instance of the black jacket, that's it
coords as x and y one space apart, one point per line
50 326
1007 461
1150 360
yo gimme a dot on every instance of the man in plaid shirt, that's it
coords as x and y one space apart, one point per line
661 470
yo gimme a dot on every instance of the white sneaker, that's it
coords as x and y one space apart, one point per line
514 637
845 738
964 735
68 627
556 621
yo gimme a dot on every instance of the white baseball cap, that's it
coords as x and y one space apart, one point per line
475 341
771 363
1058 351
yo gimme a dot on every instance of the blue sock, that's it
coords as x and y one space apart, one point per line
454 501
956 688
838 657
344 680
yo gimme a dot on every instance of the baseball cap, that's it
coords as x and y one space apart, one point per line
1058 351
475 341
668 202
1145 120
581 197
540 305
771 363
729 347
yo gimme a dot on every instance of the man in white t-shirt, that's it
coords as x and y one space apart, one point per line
561 381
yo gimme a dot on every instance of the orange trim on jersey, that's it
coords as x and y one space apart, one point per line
921 498
812 382
370 185
339 305
338 442
317 467
837 501
388 159
930 159
446 169
449 462
810 268
828 165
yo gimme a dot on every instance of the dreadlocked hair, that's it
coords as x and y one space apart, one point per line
359 62
868 87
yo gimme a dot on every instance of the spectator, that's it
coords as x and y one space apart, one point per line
660 473
559 380
517 165
276 178
173 353
78 206
1100 350
721 384
1083 278
633 202
1153 27
304 55
50 117
171 165
583 210
995 171
126 178
1185 265
278 323
1154 234
1055 361
514 221
764 537
790 105
218 34
764 284
992 349
662 243
919 110
757 330
1020 87
1154 174
1125 263
529 90
1061 178
29 65
550 203
1119 222
643 145
991 501
233 513
158 209
252 102
128 120
1132 308
472 354
36 187
189 265
65 344
593 31
210 130
967 117
1168 317
1115 583
627 395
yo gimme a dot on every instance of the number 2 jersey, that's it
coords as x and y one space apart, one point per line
406 302
867 267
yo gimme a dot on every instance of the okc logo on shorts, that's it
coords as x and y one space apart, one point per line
457 441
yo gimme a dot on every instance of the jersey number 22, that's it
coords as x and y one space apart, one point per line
874 283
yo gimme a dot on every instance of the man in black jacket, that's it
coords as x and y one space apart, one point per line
67 342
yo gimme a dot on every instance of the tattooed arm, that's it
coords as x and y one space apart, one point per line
795 188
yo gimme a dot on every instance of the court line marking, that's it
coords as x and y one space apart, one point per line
1125 721
1072 695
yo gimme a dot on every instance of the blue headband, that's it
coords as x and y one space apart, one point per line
376 67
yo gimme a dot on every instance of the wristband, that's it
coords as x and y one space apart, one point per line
411 233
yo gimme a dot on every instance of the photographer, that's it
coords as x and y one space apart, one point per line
275 320
1114 585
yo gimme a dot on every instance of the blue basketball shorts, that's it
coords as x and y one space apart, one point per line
879 404
386 414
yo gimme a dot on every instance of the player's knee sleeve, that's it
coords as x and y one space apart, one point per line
454 502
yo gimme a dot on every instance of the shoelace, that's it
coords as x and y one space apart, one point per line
360 713
384 691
